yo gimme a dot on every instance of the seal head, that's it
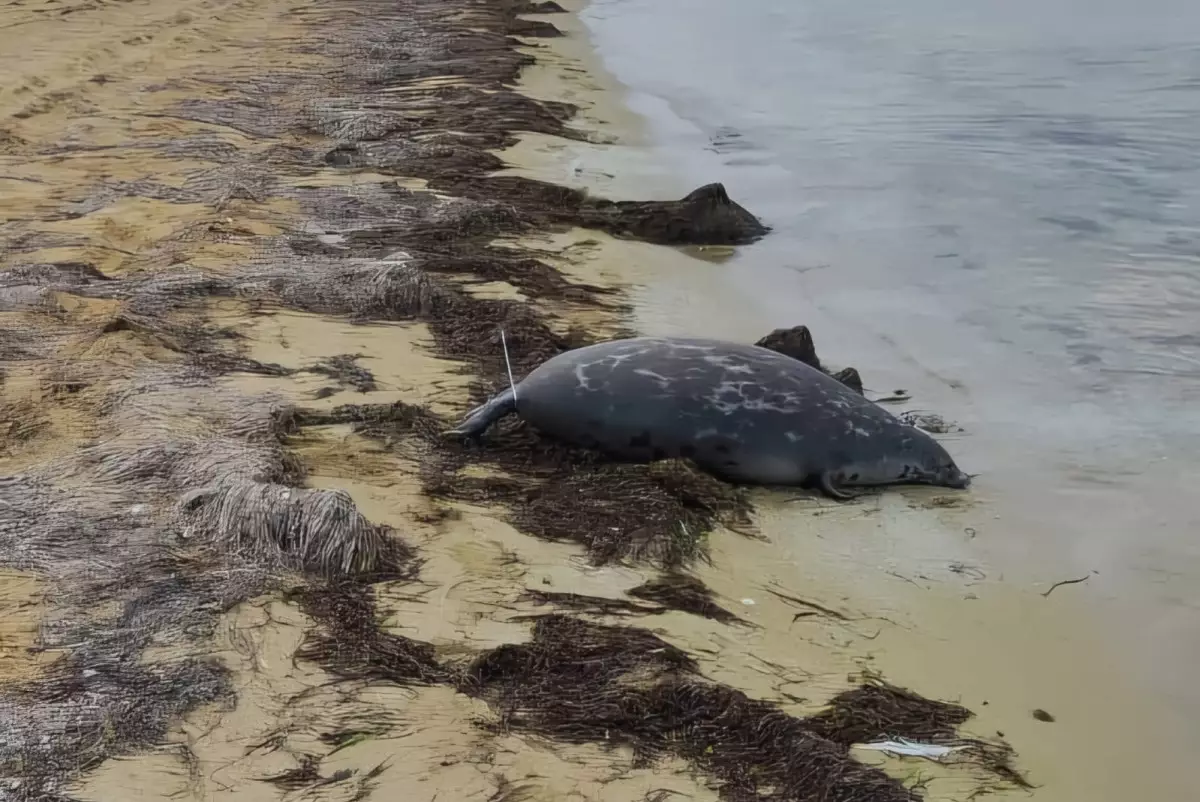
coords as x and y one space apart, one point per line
921 460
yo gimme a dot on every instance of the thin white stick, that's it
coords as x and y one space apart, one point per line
508 364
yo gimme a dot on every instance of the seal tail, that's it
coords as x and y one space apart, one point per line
479 419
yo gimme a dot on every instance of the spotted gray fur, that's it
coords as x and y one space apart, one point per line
741 412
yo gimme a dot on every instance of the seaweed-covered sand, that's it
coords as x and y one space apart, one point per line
256 256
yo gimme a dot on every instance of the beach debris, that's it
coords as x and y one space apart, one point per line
898 396
903 746
929 421
508 363
1066 582
1042 715
968 571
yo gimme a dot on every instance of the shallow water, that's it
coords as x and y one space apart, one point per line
993 206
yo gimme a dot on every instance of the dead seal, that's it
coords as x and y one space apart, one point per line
741 412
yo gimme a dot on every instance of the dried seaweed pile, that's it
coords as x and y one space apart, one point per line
121 522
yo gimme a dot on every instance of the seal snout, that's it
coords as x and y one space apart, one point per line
957 479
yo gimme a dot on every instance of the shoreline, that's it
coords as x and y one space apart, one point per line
961 630
314 263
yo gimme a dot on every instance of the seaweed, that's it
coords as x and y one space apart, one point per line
685 593
579 682
344 370
672 591
351 643
659 513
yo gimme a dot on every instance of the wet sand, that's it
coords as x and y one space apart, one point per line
952 609
909 601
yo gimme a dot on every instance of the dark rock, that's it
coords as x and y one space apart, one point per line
544 8
796 342
533 28
707 216
850 378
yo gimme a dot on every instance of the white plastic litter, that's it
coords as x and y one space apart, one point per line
903 746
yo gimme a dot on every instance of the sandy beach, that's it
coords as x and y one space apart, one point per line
256 255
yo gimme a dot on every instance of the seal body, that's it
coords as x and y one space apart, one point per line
741 412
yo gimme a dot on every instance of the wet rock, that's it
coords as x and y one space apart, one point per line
797 342
544 8
533 28
850 378
707 216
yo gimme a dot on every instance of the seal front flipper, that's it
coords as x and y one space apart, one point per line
479 419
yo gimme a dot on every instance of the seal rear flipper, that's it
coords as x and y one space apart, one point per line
479 419
830 488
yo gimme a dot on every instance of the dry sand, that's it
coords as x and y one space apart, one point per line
90 77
